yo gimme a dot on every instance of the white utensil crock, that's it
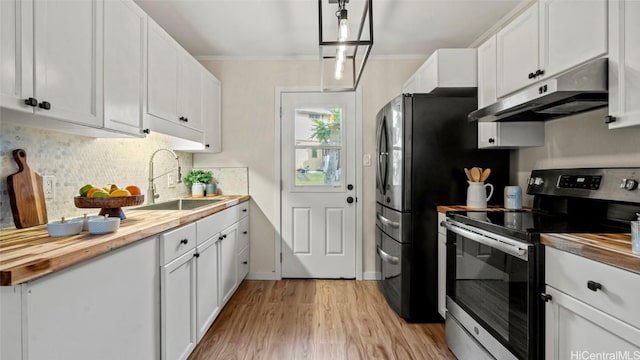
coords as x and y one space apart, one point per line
477 194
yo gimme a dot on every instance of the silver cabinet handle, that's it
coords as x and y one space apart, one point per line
393 260
509 246
387 222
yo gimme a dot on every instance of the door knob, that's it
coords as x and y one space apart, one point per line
350 199
45 105
31 102
349 187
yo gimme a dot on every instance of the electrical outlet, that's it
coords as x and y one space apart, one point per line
171 181
49 186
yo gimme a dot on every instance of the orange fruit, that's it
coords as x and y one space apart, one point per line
134 190
93 190
119 193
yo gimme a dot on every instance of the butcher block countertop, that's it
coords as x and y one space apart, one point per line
26 254
611 249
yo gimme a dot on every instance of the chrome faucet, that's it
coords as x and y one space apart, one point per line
151 191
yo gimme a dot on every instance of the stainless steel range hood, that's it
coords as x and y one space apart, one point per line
581 89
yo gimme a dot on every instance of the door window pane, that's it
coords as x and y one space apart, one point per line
318 145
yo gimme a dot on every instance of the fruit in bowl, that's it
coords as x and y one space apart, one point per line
91 191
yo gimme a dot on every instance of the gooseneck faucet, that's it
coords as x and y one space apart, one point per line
151 191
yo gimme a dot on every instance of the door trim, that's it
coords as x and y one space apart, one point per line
278 177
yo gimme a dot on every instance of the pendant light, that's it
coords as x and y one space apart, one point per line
348 54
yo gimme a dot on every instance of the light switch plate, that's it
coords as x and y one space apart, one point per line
366 160
171 181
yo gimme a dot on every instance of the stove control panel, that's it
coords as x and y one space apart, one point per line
610 184
589 182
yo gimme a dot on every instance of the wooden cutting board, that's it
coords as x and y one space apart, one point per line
26 194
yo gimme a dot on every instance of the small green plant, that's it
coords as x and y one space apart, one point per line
198 176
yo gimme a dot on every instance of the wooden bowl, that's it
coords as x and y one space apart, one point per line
109 205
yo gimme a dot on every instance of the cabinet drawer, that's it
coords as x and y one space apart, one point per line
211 225
243 265
619 292
242 209
177 242
243 234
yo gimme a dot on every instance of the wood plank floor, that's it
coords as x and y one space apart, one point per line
316 319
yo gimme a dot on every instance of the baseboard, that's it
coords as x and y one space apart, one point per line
370 275
263 276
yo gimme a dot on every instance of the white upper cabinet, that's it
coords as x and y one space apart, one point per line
624 63
125 40
571 32
16 54
517 57
444 69
549 38
211 114
79 66
52 59
487 68
68 60
173 88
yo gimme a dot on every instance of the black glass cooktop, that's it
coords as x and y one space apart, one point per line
527 225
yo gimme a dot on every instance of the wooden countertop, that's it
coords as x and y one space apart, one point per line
611 249
26 254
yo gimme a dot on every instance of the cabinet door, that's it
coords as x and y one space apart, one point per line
68 59
487 69
162 89
189 91
208 304
178 307
228 260
16 54
125 38
571 33
517 45
103 308
572 327
624 63
211 112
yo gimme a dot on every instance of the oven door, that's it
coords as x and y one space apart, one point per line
491 284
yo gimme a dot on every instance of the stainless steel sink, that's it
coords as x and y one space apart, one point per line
180 204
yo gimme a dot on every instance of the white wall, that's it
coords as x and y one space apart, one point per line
581 140
248 126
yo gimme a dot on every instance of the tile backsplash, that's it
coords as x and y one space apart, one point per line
76 160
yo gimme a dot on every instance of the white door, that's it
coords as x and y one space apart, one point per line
318 172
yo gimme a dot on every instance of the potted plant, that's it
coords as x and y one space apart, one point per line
196 180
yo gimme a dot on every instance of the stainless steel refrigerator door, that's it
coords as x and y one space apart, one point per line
390 150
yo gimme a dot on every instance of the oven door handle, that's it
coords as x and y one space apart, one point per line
393 260
501 243
387 222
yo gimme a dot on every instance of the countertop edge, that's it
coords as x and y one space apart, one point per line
75 249
608 249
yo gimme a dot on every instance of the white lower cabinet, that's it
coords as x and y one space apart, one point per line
104 308
591 308
207 299
178 307
228 261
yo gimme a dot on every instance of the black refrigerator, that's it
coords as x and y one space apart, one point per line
423 144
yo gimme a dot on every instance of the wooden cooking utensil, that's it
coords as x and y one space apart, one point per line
475 174
466 171
26 194
485 174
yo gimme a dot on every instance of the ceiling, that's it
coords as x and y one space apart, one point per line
289 28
